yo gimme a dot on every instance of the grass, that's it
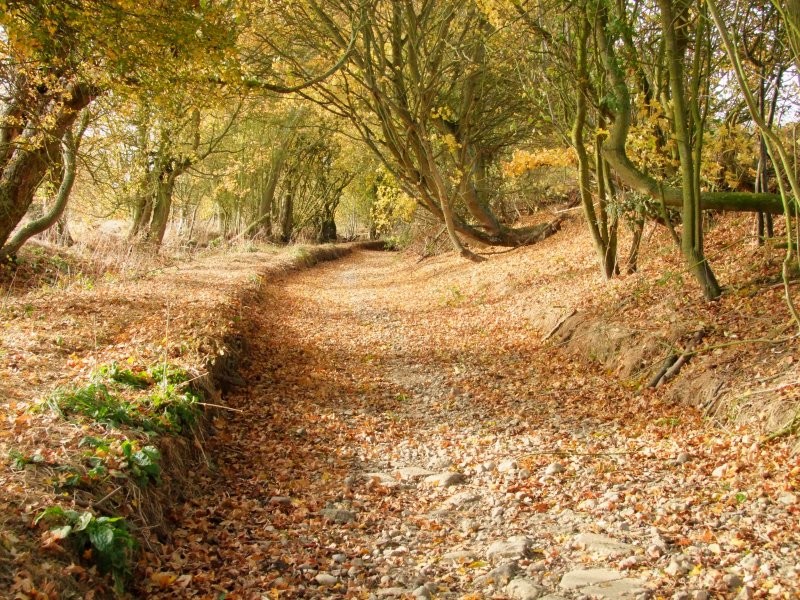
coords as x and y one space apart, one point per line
170 405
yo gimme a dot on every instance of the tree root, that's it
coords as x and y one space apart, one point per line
675 362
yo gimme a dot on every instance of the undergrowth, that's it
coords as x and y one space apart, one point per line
170 405
148 402
106 540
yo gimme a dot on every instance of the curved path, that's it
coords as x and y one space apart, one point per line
399 439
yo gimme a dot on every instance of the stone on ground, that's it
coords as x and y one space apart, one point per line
523 589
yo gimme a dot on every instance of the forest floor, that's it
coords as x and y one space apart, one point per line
404 430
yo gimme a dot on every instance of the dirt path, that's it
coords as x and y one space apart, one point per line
396 442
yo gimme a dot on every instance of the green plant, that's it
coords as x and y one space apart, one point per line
111 544
143 464
125 377
169 408
165 373
94 401
176 410
19 460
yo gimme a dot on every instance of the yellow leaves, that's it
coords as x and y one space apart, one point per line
164 580
523 161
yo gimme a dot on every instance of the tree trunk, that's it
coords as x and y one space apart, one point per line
69 148
162 206
692 232
26 159
287 207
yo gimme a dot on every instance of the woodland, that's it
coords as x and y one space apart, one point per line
552 351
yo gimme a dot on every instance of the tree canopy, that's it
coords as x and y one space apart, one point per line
248 117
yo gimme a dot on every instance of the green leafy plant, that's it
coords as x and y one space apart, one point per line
143 464
111 544
166 373
126 377
19 460
94 401
176 410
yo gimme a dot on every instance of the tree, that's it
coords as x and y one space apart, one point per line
424 94
57 57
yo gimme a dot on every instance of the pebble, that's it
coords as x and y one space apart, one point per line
683 458
787 499
523 589
503 574
732 581
506 466
280 501
720 471
554 468
338 516
422 592
514 547
325 579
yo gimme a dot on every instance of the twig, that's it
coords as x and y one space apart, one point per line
674 362
238 410
107 496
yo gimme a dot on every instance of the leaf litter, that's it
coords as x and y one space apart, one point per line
406 433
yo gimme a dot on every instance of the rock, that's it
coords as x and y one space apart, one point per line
506 466
683 458
732 581
515 547
339 558
442 463
602 545
554 468
745 593
422 593
461 498
338 516
280 501
751 562
524 474
787 499
585 577
383 479
503 574
488 466
392 592
523 589
679 565
681 595
445 479
325 579
412 473
720 471
458 556
699 595
617 589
